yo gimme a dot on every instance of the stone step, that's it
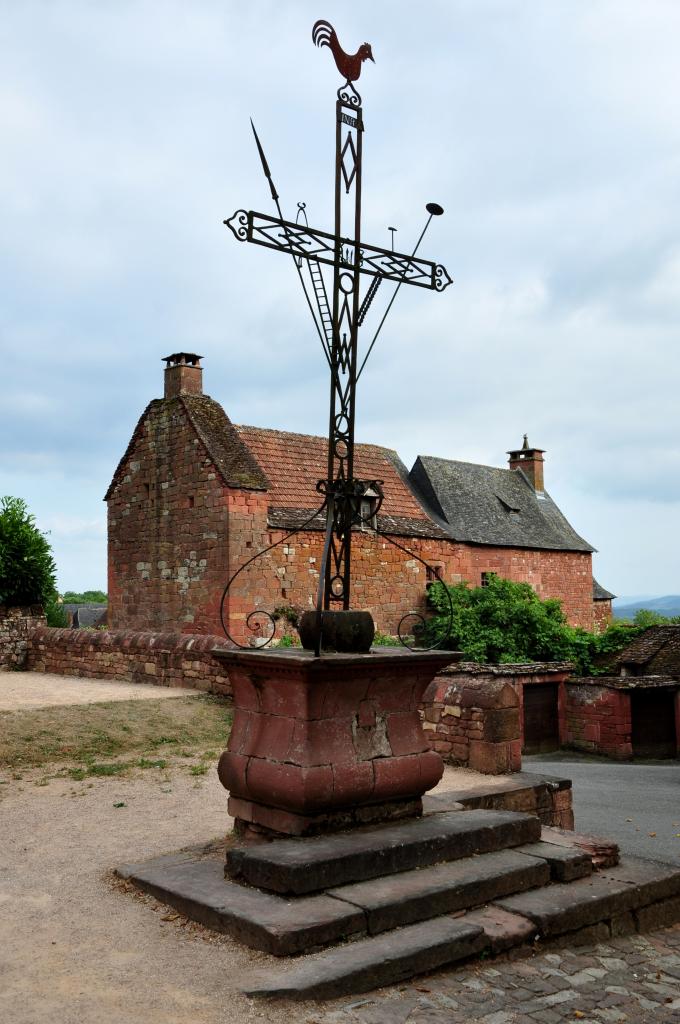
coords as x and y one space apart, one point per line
630 888
259 919
566 864
311 865
411 896
289 926
370 963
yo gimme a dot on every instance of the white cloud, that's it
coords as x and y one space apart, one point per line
549 133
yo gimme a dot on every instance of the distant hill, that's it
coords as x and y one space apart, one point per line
626 607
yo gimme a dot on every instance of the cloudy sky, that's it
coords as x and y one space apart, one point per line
549 132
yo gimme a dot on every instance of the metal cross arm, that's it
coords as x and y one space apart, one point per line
324 247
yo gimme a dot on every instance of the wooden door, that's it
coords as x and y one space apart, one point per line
541 723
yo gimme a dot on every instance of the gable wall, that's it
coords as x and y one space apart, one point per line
168 528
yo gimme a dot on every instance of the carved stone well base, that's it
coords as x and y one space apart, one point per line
321 744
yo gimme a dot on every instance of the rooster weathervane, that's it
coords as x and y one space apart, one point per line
349 67
337 324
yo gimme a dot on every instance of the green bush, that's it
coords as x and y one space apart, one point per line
27 570
55 614
506 622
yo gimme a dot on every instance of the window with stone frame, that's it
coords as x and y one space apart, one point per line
368 511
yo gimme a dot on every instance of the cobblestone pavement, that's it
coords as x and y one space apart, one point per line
635 979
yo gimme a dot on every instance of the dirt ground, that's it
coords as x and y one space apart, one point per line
75 947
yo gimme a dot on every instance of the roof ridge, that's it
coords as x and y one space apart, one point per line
464 462
313 437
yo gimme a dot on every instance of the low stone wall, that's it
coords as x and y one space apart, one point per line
548 797
16 626
167 659
598 718
471 717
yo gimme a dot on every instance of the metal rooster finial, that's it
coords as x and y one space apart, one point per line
349 65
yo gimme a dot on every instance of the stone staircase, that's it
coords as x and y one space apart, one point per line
377 905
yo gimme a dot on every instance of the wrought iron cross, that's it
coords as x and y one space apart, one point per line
338 323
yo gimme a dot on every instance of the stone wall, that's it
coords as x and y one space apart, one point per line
16 625
473 714
175 530
389 584
598 718
602 615
471 717
166 659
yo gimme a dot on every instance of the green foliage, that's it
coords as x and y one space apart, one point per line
289 640
506 622
87 597
645 617
288 612
54 613
27 570
385 640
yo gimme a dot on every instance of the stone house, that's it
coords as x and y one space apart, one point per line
195 496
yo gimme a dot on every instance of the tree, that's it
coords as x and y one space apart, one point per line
506 622
503 622
27 569
87 597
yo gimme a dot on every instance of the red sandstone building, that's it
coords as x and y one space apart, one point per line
194 497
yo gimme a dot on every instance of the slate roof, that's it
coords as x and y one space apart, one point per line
600 594
294 463
485 505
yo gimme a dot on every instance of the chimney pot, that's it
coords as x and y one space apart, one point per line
183 374
530 461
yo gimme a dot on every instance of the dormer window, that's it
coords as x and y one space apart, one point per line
510 509
368 511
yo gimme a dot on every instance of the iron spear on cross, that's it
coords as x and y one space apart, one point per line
338 324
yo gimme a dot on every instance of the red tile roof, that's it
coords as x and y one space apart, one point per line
294 463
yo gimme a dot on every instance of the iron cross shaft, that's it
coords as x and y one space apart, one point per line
338 325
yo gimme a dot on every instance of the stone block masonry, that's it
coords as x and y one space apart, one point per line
166 659
389 584
471 718
16 627
472 714
598 719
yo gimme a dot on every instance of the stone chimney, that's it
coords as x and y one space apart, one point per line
530 461
183 374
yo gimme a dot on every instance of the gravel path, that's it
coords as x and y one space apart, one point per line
20 690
